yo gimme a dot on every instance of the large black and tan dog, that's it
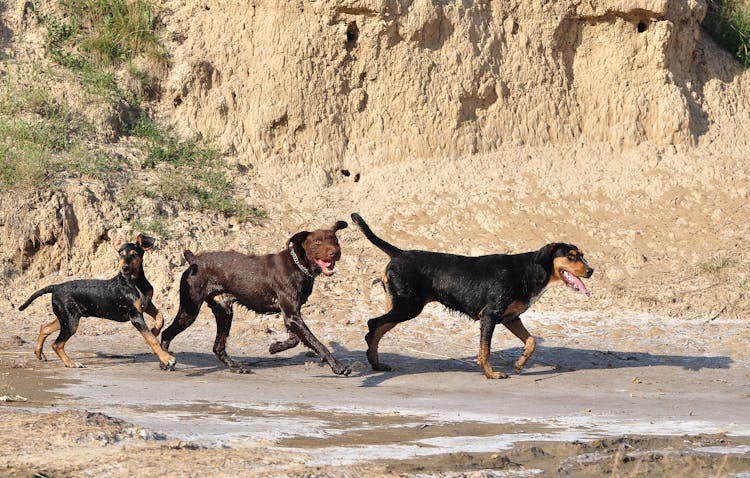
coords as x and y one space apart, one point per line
494 289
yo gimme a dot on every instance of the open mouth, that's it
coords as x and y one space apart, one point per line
574 282
326 267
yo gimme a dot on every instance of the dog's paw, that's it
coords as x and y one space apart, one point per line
240 369
41 356
339 369
75 365
381 367
169 365
495 375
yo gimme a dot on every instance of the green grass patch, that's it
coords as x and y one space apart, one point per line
105 32
156 226
715 264
191 172
94 38
206 189
41 139
163 147
728 22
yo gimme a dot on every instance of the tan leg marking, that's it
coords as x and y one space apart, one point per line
44 332
483 359
517 328
165 358
59 348
374 340
158 318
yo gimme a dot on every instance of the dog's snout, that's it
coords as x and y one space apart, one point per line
589 271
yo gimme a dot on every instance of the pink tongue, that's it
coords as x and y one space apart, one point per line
572 279
326 267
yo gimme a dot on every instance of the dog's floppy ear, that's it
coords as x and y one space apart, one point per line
339 225
118 244
546 253
298 238
146 242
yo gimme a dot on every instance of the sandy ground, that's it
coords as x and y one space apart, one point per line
605 394
648 377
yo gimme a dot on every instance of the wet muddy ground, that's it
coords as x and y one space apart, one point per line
620 395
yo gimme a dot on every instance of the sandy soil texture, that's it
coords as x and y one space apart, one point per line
667 401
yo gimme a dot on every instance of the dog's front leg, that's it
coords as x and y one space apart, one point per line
295 325
529 344
158 318
167 361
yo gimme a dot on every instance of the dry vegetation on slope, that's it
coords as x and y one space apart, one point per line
472 128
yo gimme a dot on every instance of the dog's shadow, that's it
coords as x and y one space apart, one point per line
545 361
196 364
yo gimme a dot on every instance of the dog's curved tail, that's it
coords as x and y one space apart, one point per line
46 290
389 249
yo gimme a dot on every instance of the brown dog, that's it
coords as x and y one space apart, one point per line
269 283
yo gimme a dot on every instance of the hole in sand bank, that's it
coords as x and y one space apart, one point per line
642 26
352 35
346 173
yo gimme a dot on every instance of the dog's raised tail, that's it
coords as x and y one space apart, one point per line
46 290
389 249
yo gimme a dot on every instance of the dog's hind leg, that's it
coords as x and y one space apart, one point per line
185 317
221 306
68 321
291 342
529 344
44 331
190 305
402 311
487 327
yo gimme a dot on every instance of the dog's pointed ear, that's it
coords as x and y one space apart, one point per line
118 244
298 238
146 242
339 225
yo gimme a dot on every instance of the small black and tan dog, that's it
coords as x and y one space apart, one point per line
494 289
269 283
123 298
